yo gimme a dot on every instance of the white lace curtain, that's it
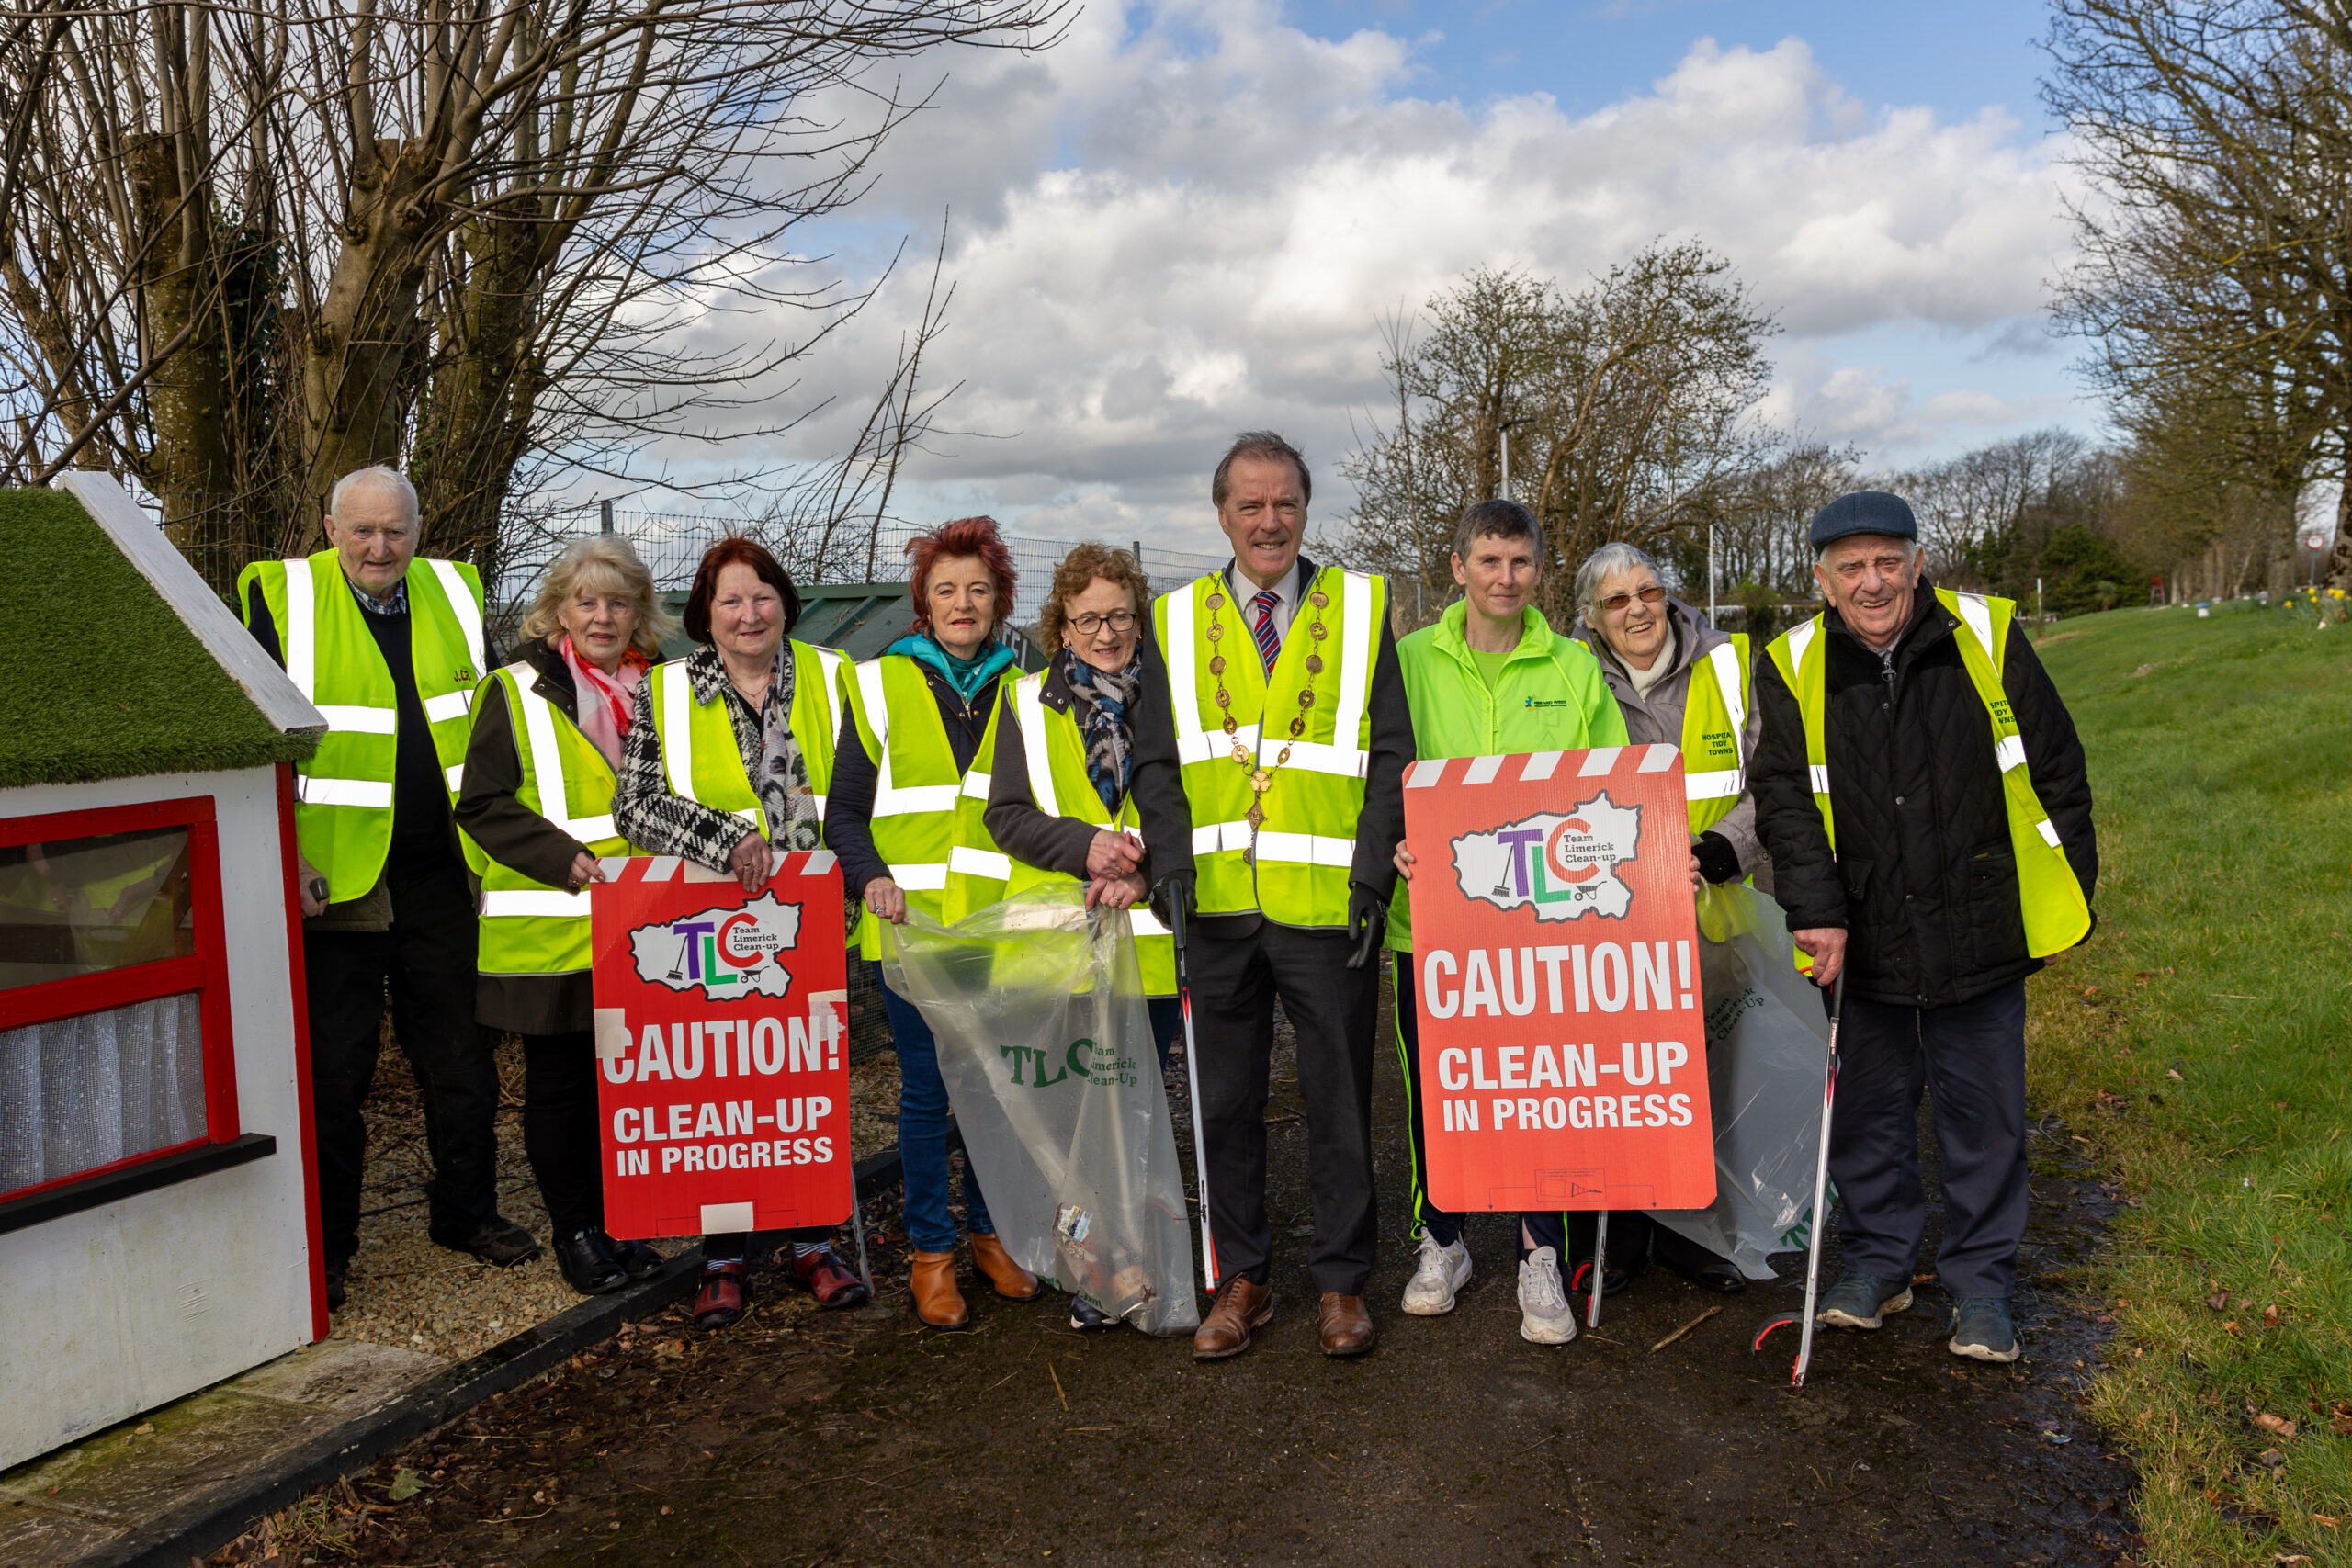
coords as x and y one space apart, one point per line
82 1092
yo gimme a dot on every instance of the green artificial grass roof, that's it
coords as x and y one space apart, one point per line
104 680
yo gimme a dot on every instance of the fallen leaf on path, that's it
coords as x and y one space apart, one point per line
2218 1301
2277 1423
2341 1426
2330 1523
2270 1457
405 1484
2230 1326
2173 1076
2270 1315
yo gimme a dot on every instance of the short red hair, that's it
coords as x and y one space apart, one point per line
964 537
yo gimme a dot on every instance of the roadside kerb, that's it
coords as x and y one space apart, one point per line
210 1519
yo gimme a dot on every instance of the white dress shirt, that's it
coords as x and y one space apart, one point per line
1286 594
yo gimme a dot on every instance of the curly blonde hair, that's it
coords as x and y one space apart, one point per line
606 563
1079 570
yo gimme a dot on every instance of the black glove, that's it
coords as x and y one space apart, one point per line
1170 893
1718 862
1367 916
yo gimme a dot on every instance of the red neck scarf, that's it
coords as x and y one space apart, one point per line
605 701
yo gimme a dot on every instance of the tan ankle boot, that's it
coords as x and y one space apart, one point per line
937 1301
1005 1277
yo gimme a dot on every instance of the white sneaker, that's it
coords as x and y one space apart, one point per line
1544 1316
1441 1272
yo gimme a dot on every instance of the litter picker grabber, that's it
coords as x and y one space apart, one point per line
1192 1080
1597 1271
1820 1198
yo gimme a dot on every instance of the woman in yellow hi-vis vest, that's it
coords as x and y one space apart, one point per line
918 715
1060 759
731 750
537 805
1679 682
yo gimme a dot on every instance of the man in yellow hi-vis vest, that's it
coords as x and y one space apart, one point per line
1922 793
1288 729
389 649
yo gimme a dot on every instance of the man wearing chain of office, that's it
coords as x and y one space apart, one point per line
1287 726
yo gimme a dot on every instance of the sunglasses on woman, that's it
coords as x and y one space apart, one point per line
1615 603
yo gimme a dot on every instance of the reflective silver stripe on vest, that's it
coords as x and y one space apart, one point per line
547 764
364 793
1820 778
1343 756
929 877
1714 785
456 775
677 729
976 785
1031 711
301 630
1144 923
1182 678
461 604
966 860
350 720
1979 617
2009 751
1210 838
533 903
831 663
1307 849
449 705
1801 638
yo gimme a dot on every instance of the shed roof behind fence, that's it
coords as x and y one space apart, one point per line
107 674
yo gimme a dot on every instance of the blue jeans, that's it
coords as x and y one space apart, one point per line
923 1133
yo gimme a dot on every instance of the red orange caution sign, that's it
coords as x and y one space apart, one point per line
722 1049
1563 1047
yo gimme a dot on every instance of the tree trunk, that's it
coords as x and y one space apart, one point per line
2339 558
355 349
473 421
192 469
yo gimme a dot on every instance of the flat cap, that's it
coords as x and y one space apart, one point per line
1864 512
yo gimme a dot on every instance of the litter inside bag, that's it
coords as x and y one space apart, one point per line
1767 1044
1045 1045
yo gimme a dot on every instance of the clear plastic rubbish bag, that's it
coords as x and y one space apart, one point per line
1768 1045
1045 1042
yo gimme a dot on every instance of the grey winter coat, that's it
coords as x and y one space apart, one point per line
1657 720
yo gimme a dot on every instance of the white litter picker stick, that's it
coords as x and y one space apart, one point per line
1600 1267
1820 1221
1193 1081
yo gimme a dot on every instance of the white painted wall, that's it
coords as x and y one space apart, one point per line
117 1309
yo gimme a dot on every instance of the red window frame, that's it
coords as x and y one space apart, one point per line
204 974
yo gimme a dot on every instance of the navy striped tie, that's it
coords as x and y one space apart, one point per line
1269 644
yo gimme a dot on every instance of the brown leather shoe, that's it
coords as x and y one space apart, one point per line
1005 1277
1242 1308
1345 1326
937 1301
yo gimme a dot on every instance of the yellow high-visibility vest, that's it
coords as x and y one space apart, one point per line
342 812
528 927
1293 867
2057 915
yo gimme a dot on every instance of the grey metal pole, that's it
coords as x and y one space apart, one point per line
1600 1268
605 516
1711 574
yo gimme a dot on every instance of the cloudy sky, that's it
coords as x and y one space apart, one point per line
1191 217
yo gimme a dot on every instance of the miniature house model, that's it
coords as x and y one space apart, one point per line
156 1228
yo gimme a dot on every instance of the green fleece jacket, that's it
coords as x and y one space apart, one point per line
1549 697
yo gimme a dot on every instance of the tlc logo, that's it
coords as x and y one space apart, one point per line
722 953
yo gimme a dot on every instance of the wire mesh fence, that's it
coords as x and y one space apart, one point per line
672 545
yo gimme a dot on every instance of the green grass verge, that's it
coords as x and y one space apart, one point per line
2197 1044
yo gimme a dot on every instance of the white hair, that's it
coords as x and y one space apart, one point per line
377 476
1604 563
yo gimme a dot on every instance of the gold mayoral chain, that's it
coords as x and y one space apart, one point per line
1262 779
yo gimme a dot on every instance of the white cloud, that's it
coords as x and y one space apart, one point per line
1189 218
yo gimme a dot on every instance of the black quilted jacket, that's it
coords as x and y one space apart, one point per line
1923 879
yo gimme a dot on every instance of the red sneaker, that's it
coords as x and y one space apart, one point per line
828 1280
723 1295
